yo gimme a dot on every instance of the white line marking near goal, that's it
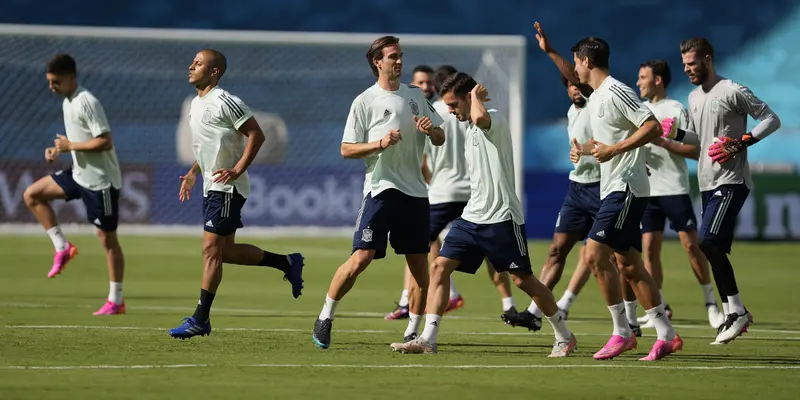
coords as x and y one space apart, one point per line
346 314
410 366
374 331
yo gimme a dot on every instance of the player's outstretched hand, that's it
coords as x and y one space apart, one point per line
391 138
61 143
544 44
225 175
50 154
724 148
187 183
424 125
602 152
479 92
669 127
575 151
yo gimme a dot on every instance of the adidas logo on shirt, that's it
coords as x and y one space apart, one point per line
210 224
718 193
386 113
601 234
513 266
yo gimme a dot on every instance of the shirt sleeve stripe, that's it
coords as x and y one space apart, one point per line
625 97
237 111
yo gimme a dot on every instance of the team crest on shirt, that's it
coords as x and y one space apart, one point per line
414 106
208 116
366 235
601 109
715 105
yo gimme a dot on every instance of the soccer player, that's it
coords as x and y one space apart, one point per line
621 124
718 110
492 224
388 126
94 177
580 204
225 140
422 77
445 171
669 193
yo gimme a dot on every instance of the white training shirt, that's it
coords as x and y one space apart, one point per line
490 161
449 174
587 169
216 141
669 175
84 120
372 115
616 113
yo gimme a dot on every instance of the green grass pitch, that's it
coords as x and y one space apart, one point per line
52 347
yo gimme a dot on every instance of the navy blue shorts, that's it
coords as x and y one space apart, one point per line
721 207
395 217
504 244
222 212
579 209
443 214
617 222
102 206
678 209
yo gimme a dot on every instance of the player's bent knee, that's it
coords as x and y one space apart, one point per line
359 261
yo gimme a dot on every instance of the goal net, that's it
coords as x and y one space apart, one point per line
299 86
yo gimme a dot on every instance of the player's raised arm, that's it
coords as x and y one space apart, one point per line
95 117
241 118
477 111
628 103
565 67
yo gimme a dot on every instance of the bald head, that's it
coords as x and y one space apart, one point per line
215 59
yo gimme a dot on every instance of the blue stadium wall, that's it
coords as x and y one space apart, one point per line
756 44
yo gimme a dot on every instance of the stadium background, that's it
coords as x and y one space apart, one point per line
755 44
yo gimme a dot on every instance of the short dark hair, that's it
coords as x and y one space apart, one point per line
218 60
660 68
565 81
441 75
460 84
62 64
700 46
422 68
375 51
593 48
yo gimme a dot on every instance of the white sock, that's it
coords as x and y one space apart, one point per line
661 294
621 327
735 303
432 322
59 241
708 294
560 328
566 300
661 322
630 311
327 309
453 291
403 299
726 308
413 324
534 309
508 302
115 292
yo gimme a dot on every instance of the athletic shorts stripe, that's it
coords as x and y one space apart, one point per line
520 240
716 223
624 213
361 212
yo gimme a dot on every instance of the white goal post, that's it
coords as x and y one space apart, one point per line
299 85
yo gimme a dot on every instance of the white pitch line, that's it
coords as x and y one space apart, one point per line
409 366
373 331
346 314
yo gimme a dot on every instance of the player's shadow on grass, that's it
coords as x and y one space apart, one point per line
717 358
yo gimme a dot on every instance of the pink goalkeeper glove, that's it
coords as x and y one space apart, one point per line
669 127
723 149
